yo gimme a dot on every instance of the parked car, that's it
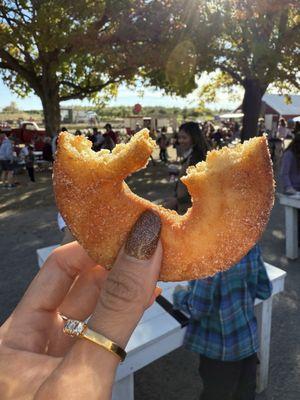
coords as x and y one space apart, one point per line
28 132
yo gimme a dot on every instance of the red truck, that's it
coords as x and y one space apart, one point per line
28 132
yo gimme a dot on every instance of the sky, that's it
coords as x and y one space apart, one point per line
126 97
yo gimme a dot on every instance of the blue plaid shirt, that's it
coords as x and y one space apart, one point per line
223 325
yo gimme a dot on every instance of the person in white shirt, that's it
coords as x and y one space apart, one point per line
6 160
282 132
23 153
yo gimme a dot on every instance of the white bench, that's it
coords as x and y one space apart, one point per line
291 205
158 333
43 253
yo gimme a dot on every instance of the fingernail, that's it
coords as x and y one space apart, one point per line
144 235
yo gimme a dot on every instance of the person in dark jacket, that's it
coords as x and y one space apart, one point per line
110 133
47 150
194 148
29 162
163 144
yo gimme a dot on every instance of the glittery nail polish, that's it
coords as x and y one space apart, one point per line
143 238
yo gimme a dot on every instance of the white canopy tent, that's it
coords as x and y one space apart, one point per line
232 115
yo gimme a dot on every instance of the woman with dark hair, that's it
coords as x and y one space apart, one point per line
194 148
111 134
290 169
193 142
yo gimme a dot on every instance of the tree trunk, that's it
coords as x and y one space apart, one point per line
51 109
254 91
51 114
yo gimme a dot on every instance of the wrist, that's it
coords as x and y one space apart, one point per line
94 368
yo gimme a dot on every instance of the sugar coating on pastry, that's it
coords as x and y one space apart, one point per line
232 196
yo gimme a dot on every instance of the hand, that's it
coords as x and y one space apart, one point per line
37 360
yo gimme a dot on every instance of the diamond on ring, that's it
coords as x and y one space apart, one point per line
74 327
81 330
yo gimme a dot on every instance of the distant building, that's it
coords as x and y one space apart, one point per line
66 115
275 106
69 116
153 123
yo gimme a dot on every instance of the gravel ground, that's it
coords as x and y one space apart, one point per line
28 222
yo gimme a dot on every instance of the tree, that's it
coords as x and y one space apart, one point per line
11 108
252 43
65 49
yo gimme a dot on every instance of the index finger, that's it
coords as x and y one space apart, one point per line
49 288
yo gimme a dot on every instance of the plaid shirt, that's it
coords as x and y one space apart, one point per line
223 325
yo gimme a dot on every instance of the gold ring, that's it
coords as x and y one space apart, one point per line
80 329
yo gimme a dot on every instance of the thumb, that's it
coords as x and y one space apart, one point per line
130 285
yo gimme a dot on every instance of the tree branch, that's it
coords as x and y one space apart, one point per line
10 21
21 14
13 65
5 66
282 29
231 72
81 92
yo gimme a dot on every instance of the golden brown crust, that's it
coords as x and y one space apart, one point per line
232 197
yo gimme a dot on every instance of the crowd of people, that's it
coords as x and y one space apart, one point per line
218 134
222 328
14 156
223 133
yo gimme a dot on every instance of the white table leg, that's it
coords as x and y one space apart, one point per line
124 389
291 232
264 318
